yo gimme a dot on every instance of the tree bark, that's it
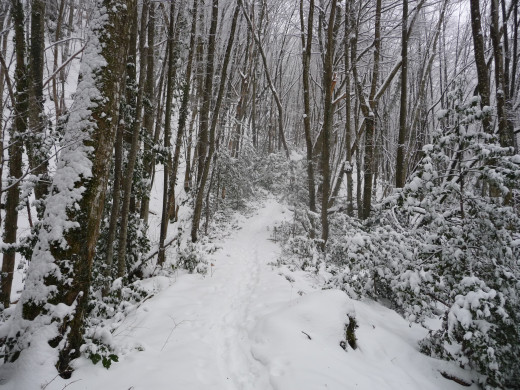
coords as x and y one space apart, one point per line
480 61
18 130
114 210
200 192
60 270
370 120
306 59
207 95
167 134
183 115
505 129
149 111
348 109
276 96
134 147
400 168
35 146
328 119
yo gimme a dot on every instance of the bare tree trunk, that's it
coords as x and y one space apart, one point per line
242 102
200 192
370 120
65 55
161 96
134 147
348 108
206 145
203 140
367 108
276 96
60 270
515 49
167 131
306 58
187 173
35 145
4 15
18 129
149 110
57 37
182 116
505 129
400 167
328 119
114 210
480 61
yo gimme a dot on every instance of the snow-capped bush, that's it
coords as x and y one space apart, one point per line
193 258
446 245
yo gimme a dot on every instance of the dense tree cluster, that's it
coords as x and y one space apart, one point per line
390 127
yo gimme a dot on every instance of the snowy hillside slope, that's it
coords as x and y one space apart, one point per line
248 324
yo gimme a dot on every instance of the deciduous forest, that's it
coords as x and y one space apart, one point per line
135 132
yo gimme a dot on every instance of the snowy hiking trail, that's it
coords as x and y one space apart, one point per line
252 326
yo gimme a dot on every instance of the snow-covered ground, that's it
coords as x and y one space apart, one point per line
248 324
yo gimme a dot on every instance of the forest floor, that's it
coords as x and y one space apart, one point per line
249 324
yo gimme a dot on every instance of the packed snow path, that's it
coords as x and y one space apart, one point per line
248 325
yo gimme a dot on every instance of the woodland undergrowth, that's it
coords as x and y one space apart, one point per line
446 246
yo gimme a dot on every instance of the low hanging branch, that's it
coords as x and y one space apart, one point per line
62 66
7 79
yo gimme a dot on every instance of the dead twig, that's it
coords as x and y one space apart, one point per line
455 379
175 325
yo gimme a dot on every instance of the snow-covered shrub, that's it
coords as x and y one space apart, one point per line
478 331
303 250
459 201
448 245
193 258
236 177
271 171
105 314
373 261
138 243
97 351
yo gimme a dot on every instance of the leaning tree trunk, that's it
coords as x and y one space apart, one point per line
60 270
